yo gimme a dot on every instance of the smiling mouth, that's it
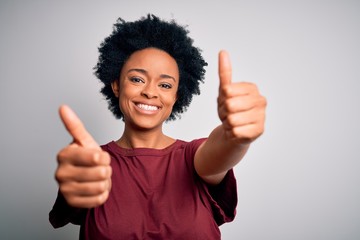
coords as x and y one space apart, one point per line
147 107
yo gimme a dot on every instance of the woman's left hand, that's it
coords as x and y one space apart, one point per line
241 108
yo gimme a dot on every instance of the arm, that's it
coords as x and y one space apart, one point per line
84 171
241 110
216 156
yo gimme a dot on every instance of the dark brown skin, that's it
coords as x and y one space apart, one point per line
147 92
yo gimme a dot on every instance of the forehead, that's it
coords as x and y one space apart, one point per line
153 60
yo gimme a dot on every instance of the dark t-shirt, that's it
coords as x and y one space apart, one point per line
156 194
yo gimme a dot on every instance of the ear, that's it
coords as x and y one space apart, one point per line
115 87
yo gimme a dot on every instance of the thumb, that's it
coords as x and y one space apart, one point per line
225 71
76 128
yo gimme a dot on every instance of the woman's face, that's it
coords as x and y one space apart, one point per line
147 88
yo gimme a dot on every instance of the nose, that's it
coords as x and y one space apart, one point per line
149 91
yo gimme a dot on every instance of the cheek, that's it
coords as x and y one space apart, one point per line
171 102
123 100
122 105
175 94
171 97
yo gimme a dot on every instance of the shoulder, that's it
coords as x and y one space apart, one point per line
108 146
193 143
189 148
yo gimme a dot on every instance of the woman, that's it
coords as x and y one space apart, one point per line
147 185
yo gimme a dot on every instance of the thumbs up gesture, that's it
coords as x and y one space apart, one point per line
83 172
241 108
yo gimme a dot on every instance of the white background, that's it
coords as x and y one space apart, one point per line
300 180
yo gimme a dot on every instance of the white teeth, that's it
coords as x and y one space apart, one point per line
147 107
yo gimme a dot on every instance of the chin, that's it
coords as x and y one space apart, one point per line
146 124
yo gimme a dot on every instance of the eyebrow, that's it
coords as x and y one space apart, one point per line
143 71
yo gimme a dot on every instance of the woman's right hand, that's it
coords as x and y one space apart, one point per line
84 171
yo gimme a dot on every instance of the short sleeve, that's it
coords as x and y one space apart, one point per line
222 198
62 214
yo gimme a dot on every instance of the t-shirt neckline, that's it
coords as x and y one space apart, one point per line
143 151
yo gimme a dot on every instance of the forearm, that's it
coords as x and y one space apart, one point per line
218 154
241 110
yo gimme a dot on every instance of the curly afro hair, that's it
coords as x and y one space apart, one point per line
150 31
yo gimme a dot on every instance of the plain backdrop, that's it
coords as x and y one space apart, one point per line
300 180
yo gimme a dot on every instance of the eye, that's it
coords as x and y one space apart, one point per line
136 80
165 85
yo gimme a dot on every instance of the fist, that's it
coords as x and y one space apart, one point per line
83 172
241 108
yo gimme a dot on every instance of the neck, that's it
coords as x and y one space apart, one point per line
144 139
